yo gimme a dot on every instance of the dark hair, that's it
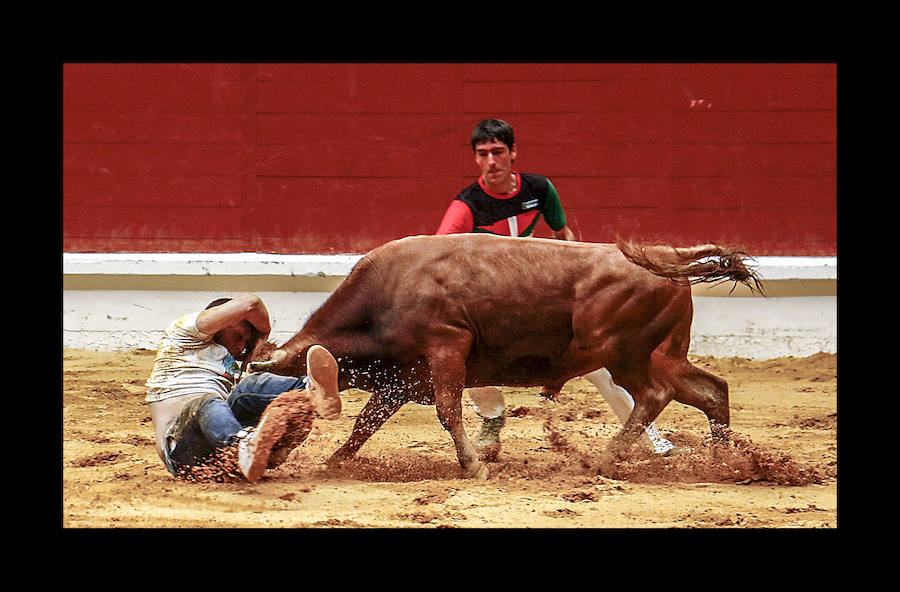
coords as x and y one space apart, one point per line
493 129
217 302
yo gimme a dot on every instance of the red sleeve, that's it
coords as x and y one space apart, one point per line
457 219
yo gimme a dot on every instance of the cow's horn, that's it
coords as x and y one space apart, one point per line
278 356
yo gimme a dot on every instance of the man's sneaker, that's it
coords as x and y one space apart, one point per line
659 444
488 439
298 427
322 384
293 437
254 444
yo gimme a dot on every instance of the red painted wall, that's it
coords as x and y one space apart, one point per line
339 158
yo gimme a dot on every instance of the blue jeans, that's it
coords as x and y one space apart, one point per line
207 423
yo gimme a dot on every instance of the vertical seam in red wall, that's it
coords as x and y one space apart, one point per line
457 129
249 184
667 108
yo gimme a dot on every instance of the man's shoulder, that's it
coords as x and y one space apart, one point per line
469 189
185 326
536 181
187 320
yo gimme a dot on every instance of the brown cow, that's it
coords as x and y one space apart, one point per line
420 318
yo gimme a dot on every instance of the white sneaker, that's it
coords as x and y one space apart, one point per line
297 430
322 382
254 444
291 439
660 445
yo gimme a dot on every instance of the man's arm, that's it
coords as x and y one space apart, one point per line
247 307
458 218
555 216
564 233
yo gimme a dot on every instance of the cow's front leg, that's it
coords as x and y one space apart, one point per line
379 408
449 411
448 376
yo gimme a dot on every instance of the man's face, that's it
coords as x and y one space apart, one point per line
495 159
235 338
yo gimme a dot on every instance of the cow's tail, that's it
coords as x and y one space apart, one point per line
692 265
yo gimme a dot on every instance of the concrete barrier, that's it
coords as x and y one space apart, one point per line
121 301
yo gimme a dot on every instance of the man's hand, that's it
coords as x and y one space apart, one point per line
247 307
565 233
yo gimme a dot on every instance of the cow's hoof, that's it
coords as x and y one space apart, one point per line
607 463
489 453
335 462
676 450
478 471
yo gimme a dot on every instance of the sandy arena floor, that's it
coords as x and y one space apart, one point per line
779 472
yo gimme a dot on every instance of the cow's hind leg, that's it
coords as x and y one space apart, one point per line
379 408
692 385
651 390
650 399
706 392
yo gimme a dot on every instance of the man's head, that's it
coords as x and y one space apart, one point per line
495 152
236 337
491 130
217 302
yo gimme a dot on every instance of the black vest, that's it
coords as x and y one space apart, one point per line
487 210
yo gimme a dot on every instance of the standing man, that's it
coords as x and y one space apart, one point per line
502 201
200 409
508 203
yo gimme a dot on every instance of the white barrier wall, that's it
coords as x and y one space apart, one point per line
124 301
